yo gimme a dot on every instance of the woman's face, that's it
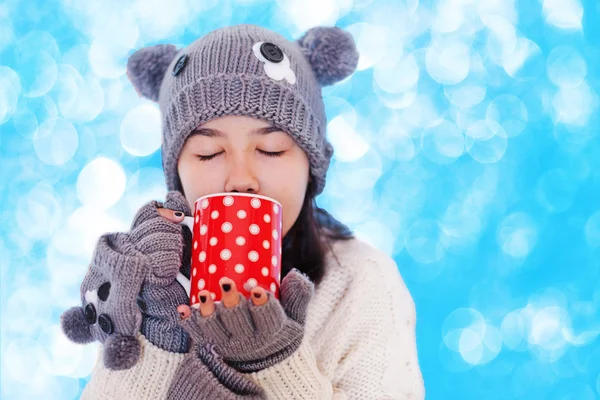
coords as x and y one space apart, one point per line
245 155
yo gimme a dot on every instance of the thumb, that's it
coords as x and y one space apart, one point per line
171 215
296 291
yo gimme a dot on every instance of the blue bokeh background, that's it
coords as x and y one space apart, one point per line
467 147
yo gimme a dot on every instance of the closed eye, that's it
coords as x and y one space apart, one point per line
266 153
207 158
272 154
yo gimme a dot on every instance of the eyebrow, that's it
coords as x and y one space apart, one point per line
217 133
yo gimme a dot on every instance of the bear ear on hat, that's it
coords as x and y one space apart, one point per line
331 52
146 68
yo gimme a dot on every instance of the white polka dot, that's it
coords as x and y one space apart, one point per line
265 271
228 200
225 254
239 268
275 208
193 299
194 272
212 269
204 204
197 218
241 214
273 287
214 214
226 227
201 284
255 203
253 256
196 306
267 218
202 256
213 241
195 244
266 244
240 241
274 261
275 234
252 283
254 229
203 229
214 296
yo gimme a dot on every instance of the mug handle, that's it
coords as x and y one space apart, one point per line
185 282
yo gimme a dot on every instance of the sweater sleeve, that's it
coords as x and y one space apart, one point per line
150 378
379 360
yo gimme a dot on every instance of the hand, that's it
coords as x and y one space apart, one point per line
251 335
109 313
202 375
156 233
159 298
121 268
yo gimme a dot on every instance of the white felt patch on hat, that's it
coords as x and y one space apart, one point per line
91 296
277 71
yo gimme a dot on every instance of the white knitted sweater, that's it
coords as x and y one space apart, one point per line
359 341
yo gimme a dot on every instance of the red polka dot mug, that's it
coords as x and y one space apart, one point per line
236 235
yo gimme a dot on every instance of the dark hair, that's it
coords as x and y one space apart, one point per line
305 245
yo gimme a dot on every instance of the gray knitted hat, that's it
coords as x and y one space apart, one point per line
246 70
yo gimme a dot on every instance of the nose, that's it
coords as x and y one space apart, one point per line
241 179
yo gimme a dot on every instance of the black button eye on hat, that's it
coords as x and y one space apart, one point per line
180 64
271 52
105 324
104 291
90 314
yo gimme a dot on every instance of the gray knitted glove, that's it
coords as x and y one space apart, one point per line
251 338
202 375
109 313
169 244
129 273
159 239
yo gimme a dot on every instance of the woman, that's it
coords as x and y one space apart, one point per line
243 112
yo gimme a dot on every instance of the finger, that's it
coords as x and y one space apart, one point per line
176 201
159 242
184 311
259 296
236 320
191 325
171 215
268 318
230 295
152 226
207 306
296 291
145 213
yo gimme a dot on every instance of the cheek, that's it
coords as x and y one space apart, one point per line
192 185
292 202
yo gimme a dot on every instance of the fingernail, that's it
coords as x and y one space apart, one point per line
203 299
178 214
184 311
226 287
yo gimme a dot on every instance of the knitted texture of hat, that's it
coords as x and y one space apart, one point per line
246 70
